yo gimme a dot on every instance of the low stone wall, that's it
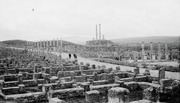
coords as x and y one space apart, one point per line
66 93
137 79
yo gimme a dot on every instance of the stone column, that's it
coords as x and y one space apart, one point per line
166 52
159 51
151 49
161 74
118 95
143 53
135 56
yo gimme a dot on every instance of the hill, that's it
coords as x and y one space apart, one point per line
155 39
21 43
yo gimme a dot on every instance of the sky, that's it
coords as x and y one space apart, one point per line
75 20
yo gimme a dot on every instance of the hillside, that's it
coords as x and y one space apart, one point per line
155 39
23 43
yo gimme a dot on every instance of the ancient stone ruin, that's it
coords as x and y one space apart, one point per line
27 78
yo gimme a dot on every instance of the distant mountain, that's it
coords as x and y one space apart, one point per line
155 39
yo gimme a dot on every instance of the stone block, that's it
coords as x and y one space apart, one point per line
56 100
78 78
92 96
132 86
87 64
67 73
121 83
165 82
102 76
77 73
142 101
21 88
100 82
110 78
60 74
118 68
93 66
136 71
147 72
103 67
81 63
150 94
118 95
86 86
67 79
53 79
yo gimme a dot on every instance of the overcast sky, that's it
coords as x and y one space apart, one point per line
75 20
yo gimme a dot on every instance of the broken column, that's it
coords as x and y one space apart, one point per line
118 95
92 96
159 51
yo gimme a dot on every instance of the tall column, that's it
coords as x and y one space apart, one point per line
96 32
99 31
143 53
159 51
57 45
151 49
166 52
47 49
43 46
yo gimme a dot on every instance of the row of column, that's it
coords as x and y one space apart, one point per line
152 55
50 43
